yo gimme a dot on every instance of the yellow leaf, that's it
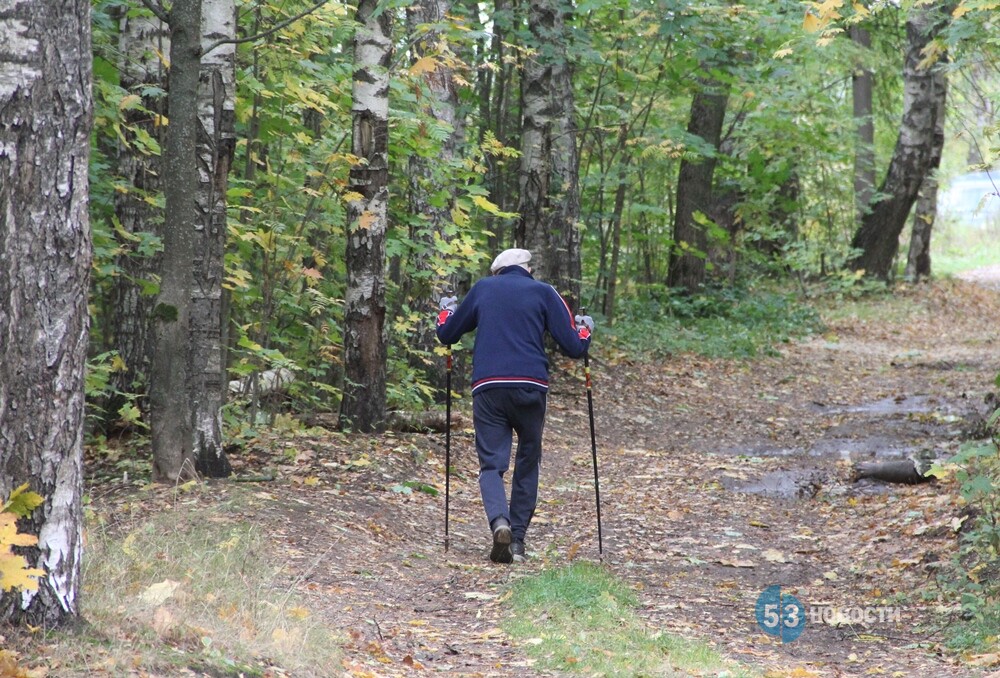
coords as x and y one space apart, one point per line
782 53
459 216
367 220
827 7
961 11
117 364
22 502
861 9
298 613
423 65
775 556
157 594
14 570
311 480
129 101
9 535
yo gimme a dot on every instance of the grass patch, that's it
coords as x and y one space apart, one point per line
956 248
582 619
718 323
188 589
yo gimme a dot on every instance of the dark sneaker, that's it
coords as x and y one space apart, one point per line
501 541
517 551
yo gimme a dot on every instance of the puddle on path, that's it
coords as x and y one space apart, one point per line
785 484
890 428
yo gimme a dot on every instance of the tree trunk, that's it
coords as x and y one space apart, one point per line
862 87
170 413
694 189
363 405
616 221
918 260
549 182
498 85
924 90
45 256
141 39
216 145
427 181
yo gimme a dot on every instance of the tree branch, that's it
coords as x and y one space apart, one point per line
157 10
274 29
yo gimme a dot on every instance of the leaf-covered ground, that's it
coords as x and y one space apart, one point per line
718 480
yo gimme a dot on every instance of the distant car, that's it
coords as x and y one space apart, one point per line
972 199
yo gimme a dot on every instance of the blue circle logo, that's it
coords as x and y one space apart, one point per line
780 614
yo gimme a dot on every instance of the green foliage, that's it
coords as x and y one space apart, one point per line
580 618
973 581
718 322
783 194
99 390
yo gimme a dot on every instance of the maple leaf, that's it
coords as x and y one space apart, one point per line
423 65
367 220
9 535
22 502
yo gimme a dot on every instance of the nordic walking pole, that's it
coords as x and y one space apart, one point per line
593 446
447 443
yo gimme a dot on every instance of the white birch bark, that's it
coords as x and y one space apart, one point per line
216 142
45 252
365 353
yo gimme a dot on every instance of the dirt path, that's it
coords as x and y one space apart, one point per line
719 479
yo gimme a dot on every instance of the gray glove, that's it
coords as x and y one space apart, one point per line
448 304
584 321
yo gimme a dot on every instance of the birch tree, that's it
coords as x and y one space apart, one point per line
549 181
216 143
363 405
45 253
916 154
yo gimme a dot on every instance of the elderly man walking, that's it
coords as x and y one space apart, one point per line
511 312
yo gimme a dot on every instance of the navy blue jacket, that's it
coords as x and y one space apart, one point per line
511 312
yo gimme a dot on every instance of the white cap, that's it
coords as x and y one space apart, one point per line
511 257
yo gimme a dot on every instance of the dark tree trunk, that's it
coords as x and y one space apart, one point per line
141 40
916 154
45 256
862 87
549 182
170 414
426 182
365 354
694 189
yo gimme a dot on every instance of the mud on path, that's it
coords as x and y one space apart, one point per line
718 480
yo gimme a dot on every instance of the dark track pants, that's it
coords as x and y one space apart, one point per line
498 413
